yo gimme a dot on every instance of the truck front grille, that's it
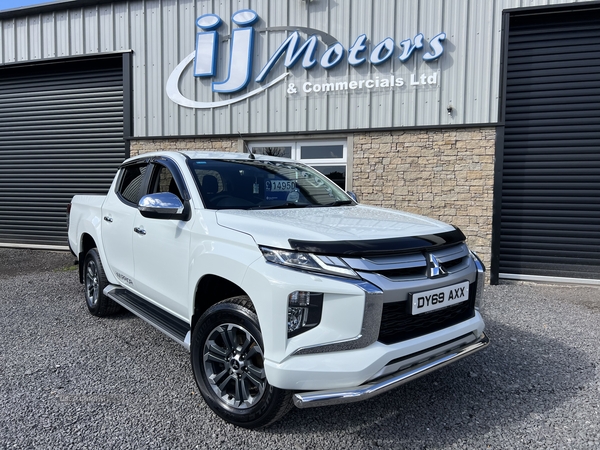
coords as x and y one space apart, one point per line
397 324
400 275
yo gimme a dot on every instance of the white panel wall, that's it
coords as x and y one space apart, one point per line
160 33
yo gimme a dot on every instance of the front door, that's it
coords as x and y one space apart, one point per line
161 250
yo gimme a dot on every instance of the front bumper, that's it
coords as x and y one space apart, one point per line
372 389
343 352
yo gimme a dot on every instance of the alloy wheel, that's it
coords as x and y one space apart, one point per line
92 285
234 366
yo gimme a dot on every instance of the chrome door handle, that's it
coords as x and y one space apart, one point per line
108 219
140 231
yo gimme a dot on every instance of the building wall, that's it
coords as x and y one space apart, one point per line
443 174
161 33
139 147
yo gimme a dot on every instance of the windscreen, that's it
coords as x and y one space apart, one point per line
256 184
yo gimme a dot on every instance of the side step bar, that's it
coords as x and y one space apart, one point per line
168 324
368 390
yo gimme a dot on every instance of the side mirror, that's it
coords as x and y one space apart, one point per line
163 205
352 195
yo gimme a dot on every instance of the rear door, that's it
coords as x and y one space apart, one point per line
118 213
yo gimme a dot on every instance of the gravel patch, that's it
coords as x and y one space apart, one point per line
70 380
22 261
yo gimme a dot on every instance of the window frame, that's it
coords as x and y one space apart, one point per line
143 184
156 167
297 145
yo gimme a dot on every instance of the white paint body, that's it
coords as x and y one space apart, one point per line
165 265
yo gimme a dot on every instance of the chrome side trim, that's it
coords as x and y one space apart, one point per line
480 281
369 390
370 326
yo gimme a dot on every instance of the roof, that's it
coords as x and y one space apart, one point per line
50 7
198 154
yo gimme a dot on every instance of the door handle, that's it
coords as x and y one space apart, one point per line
140 231
108 219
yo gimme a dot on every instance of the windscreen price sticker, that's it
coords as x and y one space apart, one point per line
280 186
439 298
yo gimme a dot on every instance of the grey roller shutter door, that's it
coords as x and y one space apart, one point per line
550 218
61 134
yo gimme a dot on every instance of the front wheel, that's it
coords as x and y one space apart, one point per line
228 364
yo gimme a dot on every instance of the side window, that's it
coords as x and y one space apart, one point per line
131 182
163 181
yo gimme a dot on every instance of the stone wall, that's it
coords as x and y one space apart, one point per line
443 174
220 145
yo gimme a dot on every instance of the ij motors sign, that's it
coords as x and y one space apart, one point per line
237 84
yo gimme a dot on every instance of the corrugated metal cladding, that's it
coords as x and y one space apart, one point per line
551 171
61 134
162 33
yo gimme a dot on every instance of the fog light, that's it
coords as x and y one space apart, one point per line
304 311
296 319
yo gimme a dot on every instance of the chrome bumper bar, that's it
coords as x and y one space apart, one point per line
368 390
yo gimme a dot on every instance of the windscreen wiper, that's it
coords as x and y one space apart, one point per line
283 205
340 203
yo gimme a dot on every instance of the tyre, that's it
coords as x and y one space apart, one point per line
94 281
228 364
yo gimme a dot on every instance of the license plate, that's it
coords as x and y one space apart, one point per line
439 298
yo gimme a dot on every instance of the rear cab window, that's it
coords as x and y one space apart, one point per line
129 188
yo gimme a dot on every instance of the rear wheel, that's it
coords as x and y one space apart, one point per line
94 281
228 364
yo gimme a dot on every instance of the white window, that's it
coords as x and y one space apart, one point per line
328 157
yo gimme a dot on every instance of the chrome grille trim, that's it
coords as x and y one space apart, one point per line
403 267
370 326
377 264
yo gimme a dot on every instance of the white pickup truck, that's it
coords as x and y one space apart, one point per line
284 289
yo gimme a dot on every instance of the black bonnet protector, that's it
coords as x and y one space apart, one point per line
379 246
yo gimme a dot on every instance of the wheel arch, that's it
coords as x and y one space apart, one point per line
87 243
212 289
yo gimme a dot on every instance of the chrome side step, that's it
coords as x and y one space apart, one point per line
172 326
369 390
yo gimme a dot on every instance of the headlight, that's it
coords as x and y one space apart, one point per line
330 265
304 311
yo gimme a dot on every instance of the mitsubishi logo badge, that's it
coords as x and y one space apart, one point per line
434 269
